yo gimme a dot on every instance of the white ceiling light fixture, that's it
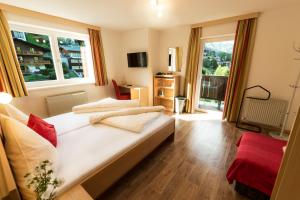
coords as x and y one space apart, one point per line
154 3
158 7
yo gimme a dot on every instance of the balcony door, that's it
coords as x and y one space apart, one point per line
215 63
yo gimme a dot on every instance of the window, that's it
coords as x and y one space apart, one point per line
72 54
51 57
35 56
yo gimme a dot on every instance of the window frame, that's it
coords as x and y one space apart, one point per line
53 35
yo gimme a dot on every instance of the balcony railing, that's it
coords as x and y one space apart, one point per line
213 88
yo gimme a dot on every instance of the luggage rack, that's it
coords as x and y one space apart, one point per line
246 125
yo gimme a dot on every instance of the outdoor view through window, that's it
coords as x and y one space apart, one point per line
215 71
71 58
36 57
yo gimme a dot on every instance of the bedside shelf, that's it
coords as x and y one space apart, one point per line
164 87
167 85
166 98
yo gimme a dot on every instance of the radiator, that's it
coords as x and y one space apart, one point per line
63 103
266 112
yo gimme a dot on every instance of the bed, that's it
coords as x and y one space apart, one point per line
257 163
94 157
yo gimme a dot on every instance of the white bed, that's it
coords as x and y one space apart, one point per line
93 157
85 149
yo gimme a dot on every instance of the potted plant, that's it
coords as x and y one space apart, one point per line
42 181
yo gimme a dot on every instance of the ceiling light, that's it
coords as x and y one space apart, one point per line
153 3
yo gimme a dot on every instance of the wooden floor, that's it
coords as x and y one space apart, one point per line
193 167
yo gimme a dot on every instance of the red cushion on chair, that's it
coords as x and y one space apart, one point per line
43 128
124 96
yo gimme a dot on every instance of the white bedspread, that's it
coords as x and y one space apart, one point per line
131 119
106 104
88 148
134 123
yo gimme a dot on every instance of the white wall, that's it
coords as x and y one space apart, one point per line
35 102
141 40
174 37
272 65
135 41
179 37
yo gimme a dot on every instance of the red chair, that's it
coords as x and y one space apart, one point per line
119 95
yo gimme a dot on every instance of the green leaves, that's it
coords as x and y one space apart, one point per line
42 181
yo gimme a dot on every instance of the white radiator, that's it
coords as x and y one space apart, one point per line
266 112
63 103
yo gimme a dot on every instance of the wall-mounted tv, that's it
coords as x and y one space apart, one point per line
138 59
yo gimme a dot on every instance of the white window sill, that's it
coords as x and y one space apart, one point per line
58 86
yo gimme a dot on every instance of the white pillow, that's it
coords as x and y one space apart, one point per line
25 150
13 112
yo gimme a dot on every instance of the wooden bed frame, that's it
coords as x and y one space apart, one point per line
94 185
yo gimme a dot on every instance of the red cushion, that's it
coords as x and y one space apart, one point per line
43 128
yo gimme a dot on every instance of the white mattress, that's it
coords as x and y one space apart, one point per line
84 149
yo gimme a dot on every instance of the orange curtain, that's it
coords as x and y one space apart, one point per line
11 77
98 57
192 67
240 66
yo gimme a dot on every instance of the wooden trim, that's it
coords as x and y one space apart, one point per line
226 20
77 192
8 187
288 178
45 17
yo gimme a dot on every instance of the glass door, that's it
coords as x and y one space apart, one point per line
213 75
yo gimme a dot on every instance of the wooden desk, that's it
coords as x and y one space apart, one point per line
138 92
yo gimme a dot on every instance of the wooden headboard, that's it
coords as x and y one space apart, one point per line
8 187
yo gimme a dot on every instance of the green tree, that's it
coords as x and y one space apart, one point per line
214 64
222 71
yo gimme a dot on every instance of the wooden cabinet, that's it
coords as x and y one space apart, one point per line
165 89
138 92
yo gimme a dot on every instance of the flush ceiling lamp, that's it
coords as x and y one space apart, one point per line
157 6
154 3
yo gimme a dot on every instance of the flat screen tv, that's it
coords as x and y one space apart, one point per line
138 59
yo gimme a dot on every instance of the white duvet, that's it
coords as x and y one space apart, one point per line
132 119
84 148
134 123
107 104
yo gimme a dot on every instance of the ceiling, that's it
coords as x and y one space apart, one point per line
133 14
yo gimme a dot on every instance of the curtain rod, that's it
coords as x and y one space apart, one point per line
226 20
46 17
218 36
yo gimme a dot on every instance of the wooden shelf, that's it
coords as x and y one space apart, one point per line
163 87
166 98
166 76
167 85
